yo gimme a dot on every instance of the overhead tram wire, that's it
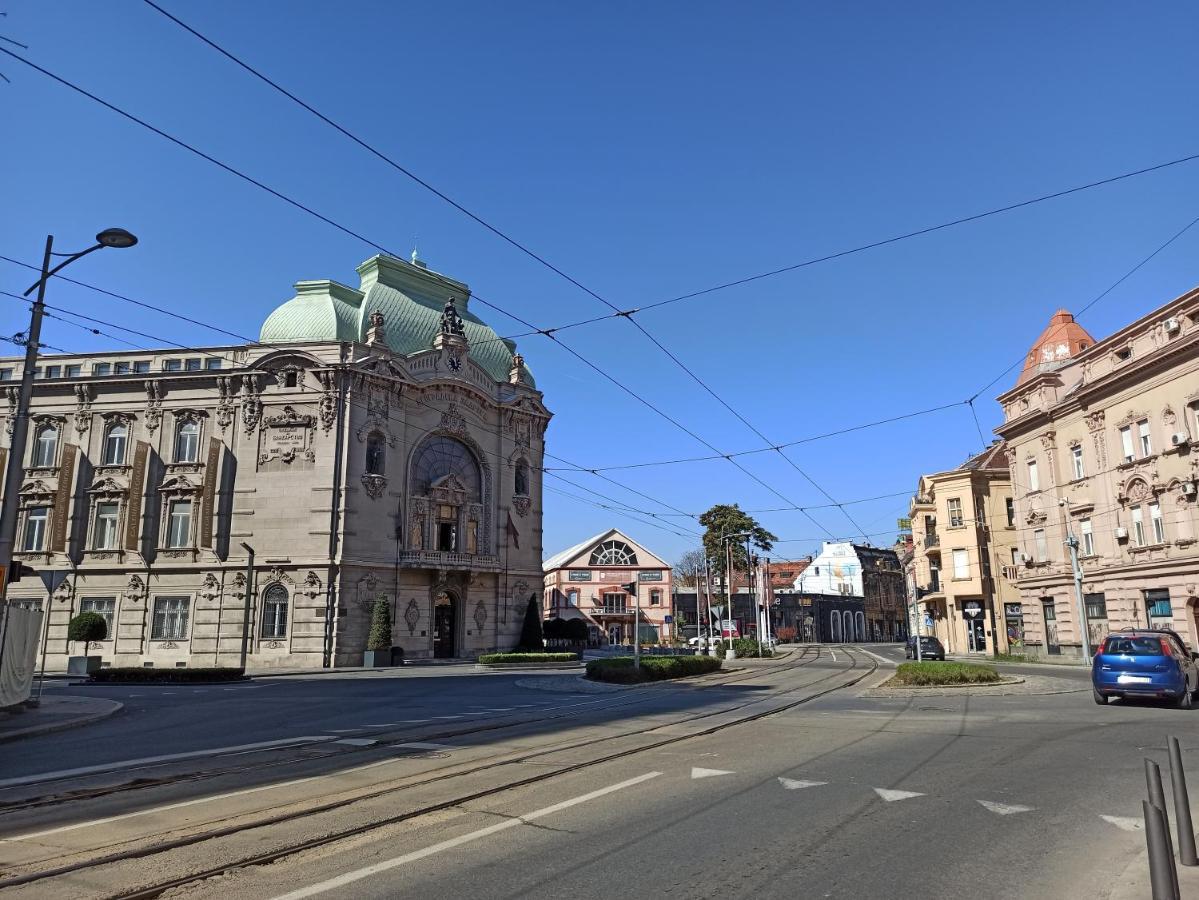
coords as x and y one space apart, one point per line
296 204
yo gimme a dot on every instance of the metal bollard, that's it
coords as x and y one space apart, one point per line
1153 781
1162 876
1182 807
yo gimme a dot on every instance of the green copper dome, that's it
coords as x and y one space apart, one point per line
411 299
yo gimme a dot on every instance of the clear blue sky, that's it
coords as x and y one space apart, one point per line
649 150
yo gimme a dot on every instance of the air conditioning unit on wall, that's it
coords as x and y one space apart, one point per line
1121 533
1180 439
1188 489
1171 325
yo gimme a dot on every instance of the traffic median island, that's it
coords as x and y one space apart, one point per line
940 674
620 669
132 675
527 660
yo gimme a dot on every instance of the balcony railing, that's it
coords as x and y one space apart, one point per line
1011 573
932 539
612 609
445 559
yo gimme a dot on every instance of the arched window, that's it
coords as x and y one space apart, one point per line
441 456
187 442
376 453
274 612
115 441
45 447
521 482
613 553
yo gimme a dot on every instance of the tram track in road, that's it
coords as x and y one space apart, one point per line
383 739
854 670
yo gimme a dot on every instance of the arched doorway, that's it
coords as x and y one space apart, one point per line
847 626
445 626
860 618
834 621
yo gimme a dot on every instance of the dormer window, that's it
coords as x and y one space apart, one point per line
45 447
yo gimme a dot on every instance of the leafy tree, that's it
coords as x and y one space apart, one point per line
87 627
379 637
723 519
689 563
530 632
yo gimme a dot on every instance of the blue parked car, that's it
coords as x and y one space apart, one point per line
1145 663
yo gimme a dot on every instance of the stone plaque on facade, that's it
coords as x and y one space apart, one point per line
208 491
137 488
649 576
285 441
577 575
62 498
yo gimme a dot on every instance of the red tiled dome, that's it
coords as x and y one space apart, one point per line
1059 342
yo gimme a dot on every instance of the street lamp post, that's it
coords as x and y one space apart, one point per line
728 581
1072 543
245 622
117 238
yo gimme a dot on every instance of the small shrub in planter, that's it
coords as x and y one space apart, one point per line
378 639
129 675
487 659
85 628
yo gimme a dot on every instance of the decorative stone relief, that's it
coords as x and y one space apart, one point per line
453 421
276 574
65 591
312 586
225 401
83 407
11 394
521 505
520 598
285 439
412 616
135 590
251 404
154 394
480 616
327 405
239 585
211 588
374 485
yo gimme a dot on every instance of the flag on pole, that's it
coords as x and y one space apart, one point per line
512 532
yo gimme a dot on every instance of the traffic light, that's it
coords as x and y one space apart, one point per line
630 588
18 570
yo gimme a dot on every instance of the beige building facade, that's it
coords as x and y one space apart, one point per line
963 538
1101 451
379 441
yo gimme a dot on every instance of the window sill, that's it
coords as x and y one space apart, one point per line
115 553
178 553
184 468
1147 548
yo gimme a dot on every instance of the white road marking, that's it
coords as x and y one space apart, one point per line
414 721
170 757
709 773
834 654
889 662
387 865
425 745
447 717
892 796
792 784
1004 809
357 742
382 725
184 803
342 730
1124 823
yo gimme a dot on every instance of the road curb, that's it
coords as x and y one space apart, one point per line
51 727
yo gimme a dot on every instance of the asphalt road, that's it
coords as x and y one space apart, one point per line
844 796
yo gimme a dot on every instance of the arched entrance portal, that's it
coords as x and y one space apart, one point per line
847 626
445 626
834 620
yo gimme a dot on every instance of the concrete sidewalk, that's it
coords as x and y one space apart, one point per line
55 714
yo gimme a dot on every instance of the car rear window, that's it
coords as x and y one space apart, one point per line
1134 646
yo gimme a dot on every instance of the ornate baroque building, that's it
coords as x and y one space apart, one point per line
1101 439
377 442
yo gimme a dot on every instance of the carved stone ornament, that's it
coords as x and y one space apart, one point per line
1137 491
276 574
168 645
451 322
211 588
135 590
83 407
65 591
1049 440
412 616
286 437
312 586
327 405
453 421
368 583
225 402
11 395
1168 418
520 597
374 485
239 584
273 645
480 615
153 405
251 404
520 505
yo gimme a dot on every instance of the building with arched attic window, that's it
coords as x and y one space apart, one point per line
377 442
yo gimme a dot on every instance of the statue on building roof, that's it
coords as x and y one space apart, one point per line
451 322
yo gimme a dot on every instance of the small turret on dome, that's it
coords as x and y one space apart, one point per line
516 375
417 261
377 333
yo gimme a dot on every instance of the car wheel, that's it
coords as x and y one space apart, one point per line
1184 700
1101 699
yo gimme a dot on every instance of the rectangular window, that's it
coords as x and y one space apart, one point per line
214 362
614 603
1126 443
655 598
140 368
5 374
1096 606
1088 538
36 521
961 564
1157 603
447 537
1042 545
172 365
955 512
572 598
1010 505
1015 557
54 371
102 368
1138 526
74 371
1143 434
170 619
1076 460
179 523
192 365
1155 516
1034 480
104 534
101 606
274 614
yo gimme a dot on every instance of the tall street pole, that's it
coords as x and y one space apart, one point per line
1083 630
708 592
245 622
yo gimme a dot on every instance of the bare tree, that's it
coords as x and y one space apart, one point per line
685 569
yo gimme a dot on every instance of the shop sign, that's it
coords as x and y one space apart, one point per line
1013 610
972 608
575 575
649 576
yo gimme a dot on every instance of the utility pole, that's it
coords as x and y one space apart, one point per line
708 591
245 622
1084 635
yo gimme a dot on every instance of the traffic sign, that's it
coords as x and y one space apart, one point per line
668 619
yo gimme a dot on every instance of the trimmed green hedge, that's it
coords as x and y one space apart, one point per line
489 658
619 669
927 673
166 676
744 646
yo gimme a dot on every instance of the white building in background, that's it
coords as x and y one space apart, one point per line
836 570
